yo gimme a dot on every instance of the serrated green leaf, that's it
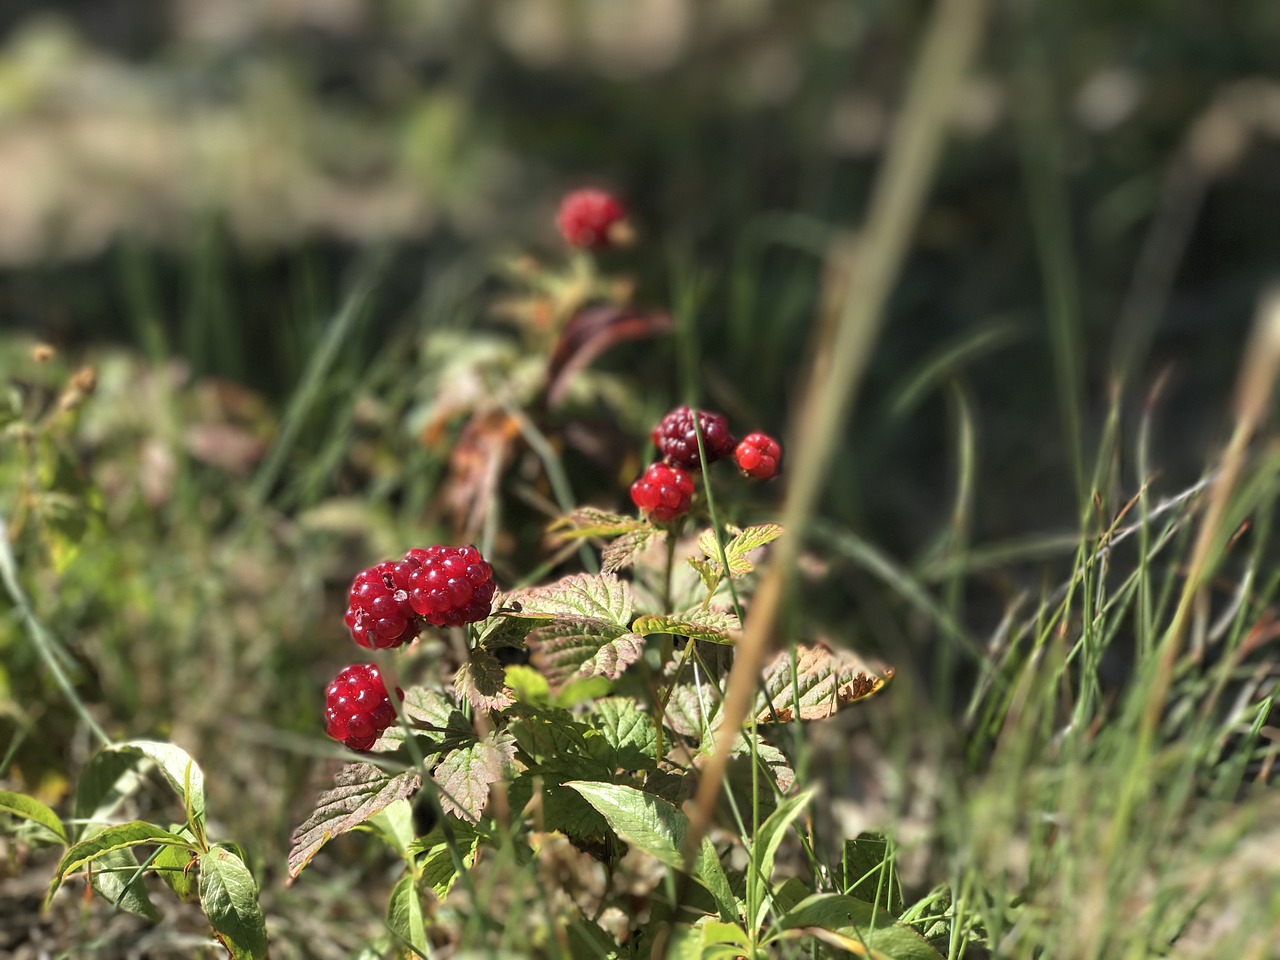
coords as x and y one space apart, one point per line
613 658
813 682
584 596
764 849
118 837
118 879
29 808
594 522
506 629
639 818
628 730
854 925
434 708
405 918
560 650
710 625
751 538
436 868
867 876
709 573
175 867
229 897
360 791
483 682
621 552
466 774
180 770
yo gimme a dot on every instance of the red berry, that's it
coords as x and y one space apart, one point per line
591 219
677 441
663 493
452 586
358 707
378 610
758 456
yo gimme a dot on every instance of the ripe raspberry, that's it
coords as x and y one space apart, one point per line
663 493
678 443
452 586
378 610
358 707
592 219
758 456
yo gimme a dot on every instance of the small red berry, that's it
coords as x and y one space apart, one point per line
592 219
378 610
758 456
677 441
663 493
451 586
358 707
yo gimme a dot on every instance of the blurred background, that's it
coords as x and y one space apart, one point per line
275 229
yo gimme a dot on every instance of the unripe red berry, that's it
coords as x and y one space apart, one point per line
358 707
663 492
592 219
677 440
758 455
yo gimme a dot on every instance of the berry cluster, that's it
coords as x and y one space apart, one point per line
387 606
593 220
665 491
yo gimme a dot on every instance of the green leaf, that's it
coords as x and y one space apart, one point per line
117 878
594 522
175 867
394 823
436 867
815 684
581 596
434 708
561 649
118 837
709 939
628 730
505 629
708 571
622 552
658 828
466 774
528 685
854 925
180 770
764 849
482 681
697 625
29 808
229 897
108 779
866 871
614 657
360 791
404 915
752 538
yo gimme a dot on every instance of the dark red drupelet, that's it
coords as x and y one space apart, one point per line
758 455
358 707
591 219
663 493
677 440
451 586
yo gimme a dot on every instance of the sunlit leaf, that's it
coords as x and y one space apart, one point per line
29 808
614 657
815 684
118 837
712 625
466 774
482 681
360 791
229 897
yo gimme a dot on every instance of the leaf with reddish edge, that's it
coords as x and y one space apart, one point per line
360 791
482 680
589 333
822 681
711 625
614 657
466 774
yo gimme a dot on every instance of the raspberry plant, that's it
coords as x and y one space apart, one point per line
579 712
